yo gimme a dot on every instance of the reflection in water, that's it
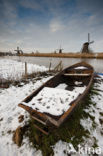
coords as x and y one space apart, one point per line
96 63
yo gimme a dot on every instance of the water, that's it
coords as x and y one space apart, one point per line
96 63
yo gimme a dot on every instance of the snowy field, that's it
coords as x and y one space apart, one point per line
9 113
14 70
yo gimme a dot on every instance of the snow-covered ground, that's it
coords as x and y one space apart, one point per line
9 113
14 70
95 111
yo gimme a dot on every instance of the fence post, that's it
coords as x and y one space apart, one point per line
26 69
49 66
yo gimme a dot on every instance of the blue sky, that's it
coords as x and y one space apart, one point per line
44 25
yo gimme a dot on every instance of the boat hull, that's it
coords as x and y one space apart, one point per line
68 75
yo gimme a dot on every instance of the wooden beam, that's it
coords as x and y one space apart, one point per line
43 131
38 120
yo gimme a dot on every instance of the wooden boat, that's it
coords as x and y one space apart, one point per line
76 76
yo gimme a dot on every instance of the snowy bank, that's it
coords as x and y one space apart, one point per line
14 70
9 113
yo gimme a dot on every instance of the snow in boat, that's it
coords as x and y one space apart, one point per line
53 100
81 67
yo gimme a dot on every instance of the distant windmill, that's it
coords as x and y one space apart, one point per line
60 49
85 48
18 51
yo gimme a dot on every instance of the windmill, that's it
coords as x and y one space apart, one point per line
60 49
18 51
85 48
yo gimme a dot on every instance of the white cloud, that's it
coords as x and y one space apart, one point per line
56 25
